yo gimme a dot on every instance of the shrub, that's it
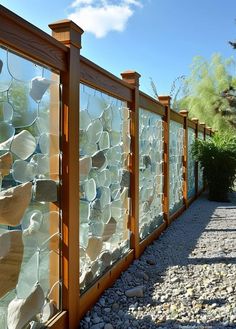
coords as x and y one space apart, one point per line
217 157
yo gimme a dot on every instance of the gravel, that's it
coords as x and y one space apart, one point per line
187 277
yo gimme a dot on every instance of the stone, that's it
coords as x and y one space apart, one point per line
7 133
106 258
94 247
147 161
11 255
13 203
23 145
108 326
38 88
85 165
109 229
23 171
135 292
48 311
45 190
104 141
34 219
98 160
21 311
90 189
6 111
125 179
42 163
94 131
5 164
84 119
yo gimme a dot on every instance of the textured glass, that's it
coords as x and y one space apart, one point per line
200 170
191 164
150 172
29 176
104 182
176 166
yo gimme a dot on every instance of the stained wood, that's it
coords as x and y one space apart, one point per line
98 78
23 37
150 104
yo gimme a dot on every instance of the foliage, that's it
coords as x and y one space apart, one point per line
210 92
217 157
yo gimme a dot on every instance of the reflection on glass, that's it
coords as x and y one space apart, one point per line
150 172
200 170
176 166
104 183
29 168
191 164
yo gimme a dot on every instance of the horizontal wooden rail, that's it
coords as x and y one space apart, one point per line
25 38
176 117
98 78
191 124
150 104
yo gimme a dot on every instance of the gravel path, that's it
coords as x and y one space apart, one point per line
185 279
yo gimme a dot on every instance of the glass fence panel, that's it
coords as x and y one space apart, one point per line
150 172
104 182
176 166
29 178
191 164
200 170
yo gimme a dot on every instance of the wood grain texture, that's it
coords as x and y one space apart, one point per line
132 77
176 117
26 39
98 78
150 104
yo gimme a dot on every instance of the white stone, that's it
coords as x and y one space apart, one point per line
13 203
21 311
23 144
38 88
23 171
135 292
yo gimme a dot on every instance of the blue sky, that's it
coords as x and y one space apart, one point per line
157 38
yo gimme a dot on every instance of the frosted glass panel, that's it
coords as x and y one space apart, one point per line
29 213
200 171
176 166
150 172
191 164
104 182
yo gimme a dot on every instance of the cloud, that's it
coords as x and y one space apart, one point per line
102 16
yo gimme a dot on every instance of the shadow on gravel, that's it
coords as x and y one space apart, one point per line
175 249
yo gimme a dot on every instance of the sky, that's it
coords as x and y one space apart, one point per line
156 38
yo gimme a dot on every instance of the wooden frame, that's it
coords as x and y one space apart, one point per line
150 104
62 54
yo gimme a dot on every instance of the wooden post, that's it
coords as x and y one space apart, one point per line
202 124
184 113
165 100
195 120
70 34
132 78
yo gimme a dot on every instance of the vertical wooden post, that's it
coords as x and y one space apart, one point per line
70 34
165 100
132 78
202 124
184 113
195 120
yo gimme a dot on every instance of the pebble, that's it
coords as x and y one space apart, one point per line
190 283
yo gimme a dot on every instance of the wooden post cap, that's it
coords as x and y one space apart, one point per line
131 77
195 120
165 100
202 124
184 113
67 32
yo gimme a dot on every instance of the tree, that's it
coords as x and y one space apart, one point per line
210 92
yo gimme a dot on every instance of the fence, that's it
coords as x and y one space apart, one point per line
92 170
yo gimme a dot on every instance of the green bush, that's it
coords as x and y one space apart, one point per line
217 157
